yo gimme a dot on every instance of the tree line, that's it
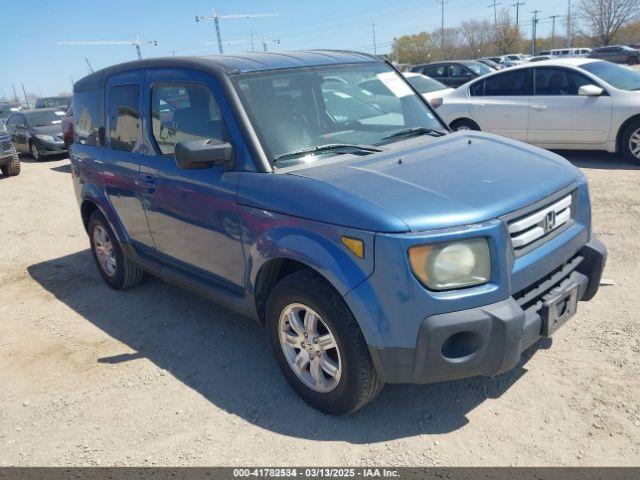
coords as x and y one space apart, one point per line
595 23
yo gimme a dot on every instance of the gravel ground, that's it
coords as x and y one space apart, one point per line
157 376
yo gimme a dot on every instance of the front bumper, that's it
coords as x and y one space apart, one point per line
488 340
52 148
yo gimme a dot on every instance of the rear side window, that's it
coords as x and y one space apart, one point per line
124 117
506 84
88 121
182 113
477 89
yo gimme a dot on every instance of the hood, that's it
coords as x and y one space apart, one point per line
48 129
461 178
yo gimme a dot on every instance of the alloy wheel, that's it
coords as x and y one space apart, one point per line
634 143
310 347
104 250
35 151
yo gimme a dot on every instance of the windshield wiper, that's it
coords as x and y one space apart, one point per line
415 131
326 148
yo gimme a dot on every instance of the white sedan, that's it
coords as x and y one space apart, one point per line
571 103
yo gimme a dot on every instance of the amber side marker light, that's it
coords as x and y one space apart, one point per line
355 245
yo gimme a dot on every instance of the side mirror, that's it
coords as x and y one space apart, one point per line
205 153
590 91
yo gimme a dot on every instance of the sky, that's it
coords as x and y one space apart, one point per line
30 53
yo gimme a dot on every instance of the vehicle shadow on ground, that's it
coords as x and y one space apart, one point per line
65 168
227 359
598 160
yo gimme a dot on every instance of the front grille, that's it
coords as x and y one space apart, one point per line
533 294
537 226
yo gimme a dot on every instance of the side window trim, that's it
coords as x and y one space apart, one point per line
149 120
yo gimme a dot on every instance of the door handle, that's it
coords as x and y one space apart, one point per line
539 108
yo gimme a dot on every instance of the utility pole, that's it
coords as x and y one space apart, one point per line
495 23
441 2
253 49
16 100
517 5
216 21
553 30
534 24
88 65
568 23
25 97
373 32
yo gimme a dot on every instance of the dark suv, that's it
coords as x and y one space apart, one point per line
372 243
617 54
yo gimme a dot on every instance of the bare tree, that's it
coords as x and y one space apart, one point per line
604 18
476 37
448 45
508 37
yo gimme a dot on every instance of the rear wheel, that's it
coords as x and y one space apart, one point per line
464 124
632 61
630 141
319 346
13 168
115 269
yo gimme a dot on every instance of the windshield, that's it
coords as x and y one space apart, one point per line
479 68
52 102
5 111
615 75
41 119
294 110
425 84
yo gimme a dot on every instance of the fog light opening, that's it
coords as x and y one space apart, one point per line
461 345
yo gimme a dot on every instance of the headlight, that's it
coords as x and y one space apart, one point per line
45 138
447 266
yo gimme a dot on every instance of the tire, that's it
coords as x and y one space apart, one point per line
464 124
34 151
630 141
13 168
355 381
632 61
118 272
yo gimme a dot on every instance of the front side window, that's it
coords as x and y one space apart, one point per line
438 71
184 112
507 84
558 81
615 75
88 120
295 110
124 117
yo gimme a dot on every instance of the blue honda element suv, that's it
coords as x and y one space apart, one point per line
373 244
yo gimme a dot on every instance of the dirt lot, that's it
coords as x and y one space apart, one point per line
157 376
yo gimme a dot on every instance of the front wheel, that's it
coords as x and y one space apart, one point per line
34 151
630 141
319 346
13 167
